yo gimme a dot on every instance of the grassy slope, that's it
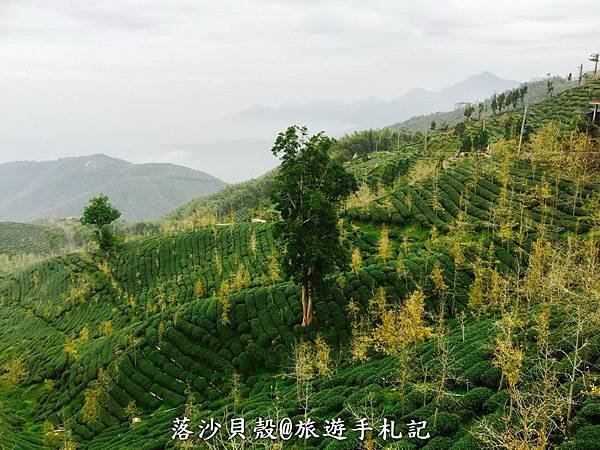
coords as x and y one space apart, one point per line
242 199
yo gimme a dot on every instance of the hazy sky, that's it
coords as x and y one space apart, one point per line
138 79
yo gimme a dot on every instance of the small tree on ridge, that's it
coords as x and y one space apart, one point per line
100 213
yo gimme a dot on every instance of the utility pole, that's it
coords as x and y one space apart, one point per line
522 128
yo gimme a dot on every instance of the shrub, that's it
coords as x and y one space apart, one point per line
447 424
467 442
586 438
439 443
474 399
498 400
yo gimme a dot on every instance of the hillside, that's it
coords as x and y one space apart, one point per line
51 189
18 238
472 305
242 200
536 92
251 198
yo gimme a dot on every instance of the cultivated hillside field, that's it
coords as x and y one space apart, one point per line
18 238
472 303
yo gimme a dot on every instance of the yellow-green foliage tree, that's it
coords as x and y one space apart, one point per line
389 328
560 286
16 371
384 249
356 262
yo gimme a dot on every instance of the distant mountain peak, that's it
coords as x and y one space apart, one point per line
337 118
487 73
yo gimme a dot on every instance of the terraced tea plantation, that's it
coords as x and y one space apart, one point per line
471 304
18 238
472 191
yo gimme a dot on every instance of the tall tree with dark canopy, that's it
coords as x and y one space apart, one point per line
500 99
494 103
308 192
523 91
550 88
468 112
595 58
514 100
480 109
101 214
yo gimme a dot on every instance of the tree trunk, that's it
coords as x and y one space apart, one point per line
572 381
304 304
307 306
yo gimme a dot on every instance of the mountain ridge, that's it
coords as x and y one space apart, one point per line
339 117
60 188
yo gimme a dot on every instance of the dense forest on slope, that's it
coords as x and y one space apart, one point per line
472 303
